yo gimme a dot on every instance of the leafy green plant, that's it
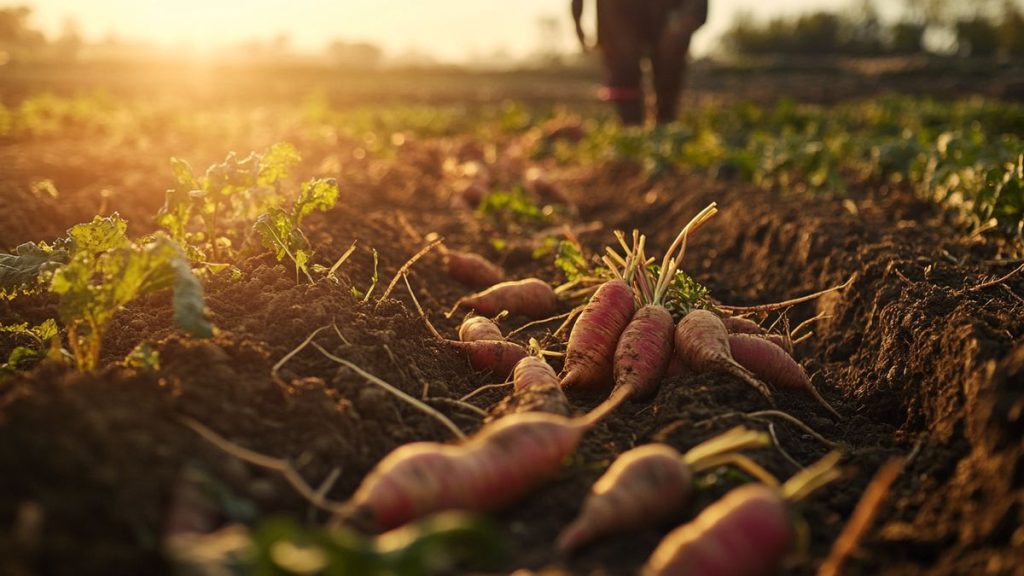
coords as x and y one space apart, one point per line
22 271
569 259
43 339
106 271
143 357
514 206
281 230
202 214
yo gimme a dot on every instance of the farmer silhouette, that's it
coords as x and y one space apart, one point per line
631 30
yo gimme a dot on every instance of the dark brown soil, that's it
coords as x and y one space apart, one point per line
917 364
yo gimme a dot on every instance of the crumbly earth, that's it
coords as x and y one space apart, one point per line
918 365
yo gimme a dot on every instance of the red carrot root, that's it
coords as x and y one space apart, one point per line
741 325
702 343
497 356
622 498
748 532
780 340
532 297
649 484
533 372
643 351
592 342
472 269
536 388
394 492
747 327
772 364
500 464
475 328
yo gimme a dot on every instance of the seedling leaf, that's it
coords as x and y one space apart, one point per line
570 261
20 272
94 286
183 174
102 234
317 194
276 163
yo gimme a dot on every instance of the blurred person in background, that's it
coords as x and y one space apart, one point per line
629 31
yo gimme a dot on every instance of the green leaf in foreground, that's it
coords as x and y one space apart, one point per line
435 545
94 286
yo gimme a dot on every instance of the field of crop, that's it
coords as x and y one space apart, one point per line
209 338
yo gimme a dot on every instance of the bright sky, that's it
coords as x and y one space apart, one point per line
452 30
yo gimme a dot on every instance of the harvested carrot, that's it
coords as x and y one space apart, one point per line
472 269
702 342
497 466
644 350
649 484
772 364
591 346
536 388
780 340
475 328
498 356
532 297
748 532
741 325
533 372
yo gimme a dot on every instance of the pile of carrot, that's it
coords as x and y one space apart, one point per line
623 344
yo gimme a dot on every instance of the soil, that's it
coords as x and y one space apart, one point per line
918 364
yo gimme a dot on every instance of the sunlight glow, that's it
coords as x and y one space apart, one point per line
449 30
